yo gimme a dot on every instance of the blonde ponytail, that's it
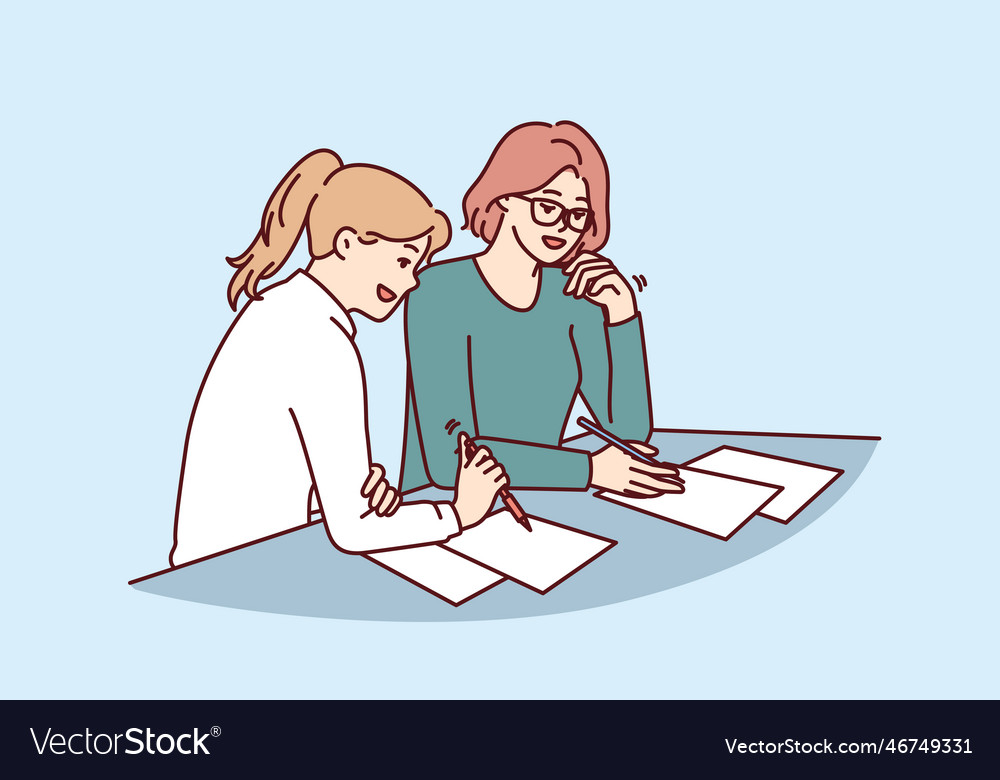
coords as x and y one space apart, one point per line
284 218
321 195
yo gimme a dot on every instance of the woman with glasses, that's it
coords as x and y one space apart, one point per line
501 342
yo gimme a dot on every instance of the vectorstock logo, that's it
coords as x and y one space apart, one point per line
136 741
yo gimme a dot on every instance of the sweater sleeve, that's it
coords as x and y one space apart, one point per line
614 379
540 466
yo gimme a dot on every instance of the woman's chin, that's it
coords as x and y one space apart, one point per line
546 256
379 312
552 258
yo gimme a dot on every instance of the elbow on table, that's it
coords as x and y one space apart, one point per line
349 538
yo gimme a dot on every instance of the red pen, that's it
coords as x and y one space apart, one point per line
508 500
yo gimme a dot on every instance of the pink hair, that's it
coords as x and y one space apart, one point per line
527 158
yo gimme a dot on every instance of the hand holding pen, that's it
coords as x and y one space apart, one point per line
628 467
473 456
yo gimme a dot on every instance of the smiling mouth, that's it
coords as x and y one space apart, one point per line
385 294
553 242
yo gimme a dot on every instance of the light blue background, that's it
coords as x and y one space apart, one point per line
811 189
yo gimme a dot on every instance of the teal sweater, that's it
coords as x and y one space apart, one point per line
509 378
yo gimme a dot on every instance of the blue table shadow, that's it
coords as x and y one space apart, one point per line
301 573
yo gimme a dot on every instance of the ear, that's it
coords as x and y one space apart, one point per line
344 242
503 203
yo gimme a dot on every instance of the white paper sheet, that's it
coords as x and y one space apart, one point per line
540 560
711 503
801 481
445 574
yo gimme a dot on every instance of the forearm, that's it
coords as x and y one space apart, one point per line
540 466
422 522
335 445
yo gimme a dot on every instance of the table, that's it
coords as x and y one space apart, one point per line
301 573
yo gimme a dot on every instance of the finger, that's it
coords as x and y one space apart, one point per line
651 483
667 486
634 492
657 471
589 276
676 478
610 281
377 494
583 257
587 280
574 280
502 479
376 473
592 294
462 439
655 487
395 504
481 455
645 449
493 465
641 491
386 502
468 449
656 468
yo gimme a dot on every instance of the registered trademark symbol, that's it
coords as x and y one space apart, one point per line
216 731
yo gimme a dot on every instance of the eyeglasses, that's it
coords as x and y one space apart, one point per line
548 212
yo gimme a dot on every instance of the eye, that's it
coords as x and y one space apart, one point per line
547 208
403 261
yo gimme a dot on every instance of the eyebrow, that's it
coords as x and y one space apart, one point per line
583 199
411 246
551 192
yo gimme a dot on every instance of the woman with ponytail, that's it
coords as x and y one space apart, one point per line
280 416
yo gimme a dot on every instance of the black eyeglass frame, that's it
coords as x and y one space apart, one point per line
562 214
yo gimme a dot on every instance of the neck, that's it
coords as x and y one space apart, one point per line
512 274
326 273
506 256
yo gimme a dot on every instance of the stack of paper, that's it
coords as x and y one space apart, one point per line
539 560
726 487
723 490
446 575
801 481
498 548
711 503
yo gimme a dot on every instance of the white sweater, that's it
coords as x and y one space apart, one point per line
282 407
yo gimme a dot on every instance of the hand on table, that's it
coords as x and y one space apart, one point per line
617 471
